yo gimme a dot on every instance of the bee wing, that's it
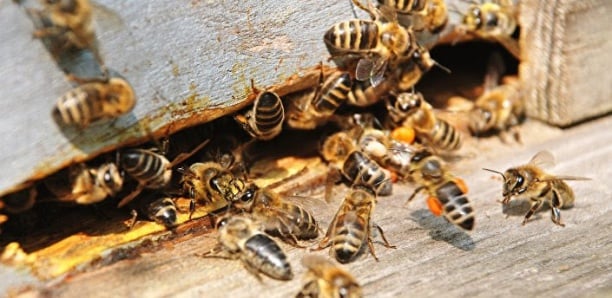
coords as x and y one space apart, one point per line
495 69
378 72
106 17
543 159
564 177
364 69
310 204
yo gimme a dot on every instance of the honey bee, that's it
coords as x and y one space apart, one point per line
529 181
494 20
364 94
327 280
391 154
341 151
69 22
94 101
313 111
411 70
265 120
411 109
447 193
374 43
280 217
240 238
161 210
86 185
430 15
152 170
212 182
351 227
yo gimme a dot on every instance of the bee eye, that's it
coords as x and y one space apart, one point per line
487 115
491 20
248 195
107 177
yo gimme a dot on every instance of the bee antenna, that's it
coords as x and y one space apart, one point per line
496 172
442 67
353 9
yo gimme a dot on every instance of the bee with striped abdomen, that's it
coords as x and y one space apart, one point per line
314 110
529 181
327 280
341 152
240 238
279 216
94 101
430 15
151 169
160 210
447 193
350 230
411 110
265 120
374 44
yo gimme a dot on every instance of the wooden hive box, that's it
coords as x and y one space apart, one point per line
566 58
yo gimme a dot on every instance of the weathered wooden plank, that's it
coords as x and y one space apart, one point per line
566 53
188 61
433 258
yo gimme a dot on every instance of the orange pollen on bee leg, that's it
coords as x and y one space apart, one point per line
434 206
403 134
393 175
461 184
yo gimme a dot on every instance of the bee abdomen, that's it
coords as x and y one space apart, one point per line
79 106
333 94
352 36
144 166
359 169
264 254
163 211
348 241
456 206
445 136
269 114
307 225
405 6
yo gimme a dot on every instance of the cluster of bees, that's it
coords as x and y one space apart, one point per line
379 61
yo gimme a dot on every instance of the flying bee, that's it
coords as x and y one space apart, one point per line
529 181
94 101
160 210
494 20
411 110
447 193
280 217
430 15
341 151
327 280
151 169
375 44
351 227
265 120
240 238
315 110
212 182
86 185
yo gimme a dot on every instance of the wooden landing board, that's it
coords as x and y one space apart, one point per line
433 258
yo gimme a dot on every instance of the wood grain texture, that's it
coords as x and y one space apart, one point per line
433 258
567 51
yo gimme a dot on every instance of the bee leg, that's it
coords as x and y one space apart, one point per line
131 196
333 176
554 208
416 191
324 243
183 156
192 207
134 214
382 235
371 247
534 207
254 271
